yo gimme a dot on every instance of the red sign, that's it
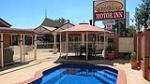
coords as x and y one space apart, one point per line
109 15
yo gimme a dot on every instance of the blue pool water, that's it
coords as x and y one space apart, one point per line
78 74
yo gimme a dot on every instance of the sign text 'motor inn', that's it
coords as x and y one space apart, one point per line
109 15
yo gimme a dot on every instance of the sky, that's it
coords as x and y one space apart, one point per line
31 13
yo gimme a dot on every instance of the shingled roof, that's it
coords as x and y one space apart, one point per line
51 23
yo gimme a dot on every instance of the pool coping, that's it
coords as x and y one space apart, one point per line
121 78
37 75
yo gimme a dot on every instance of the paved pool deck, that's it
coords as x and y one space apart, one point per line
46 59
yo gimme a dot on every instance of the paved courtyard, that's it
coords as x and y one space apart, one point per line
18 73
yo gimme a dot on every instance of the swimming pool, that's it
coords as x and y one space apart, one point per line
78 74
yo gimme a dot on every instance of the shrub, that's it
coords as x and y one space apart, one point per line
110 48
133 57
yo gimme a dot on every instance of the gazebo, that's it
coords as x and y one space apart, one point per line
83 35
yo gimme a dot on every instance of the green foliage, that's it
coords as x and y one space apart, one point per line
110 40
141 13
63 20
133 57
110 48
131 31
119 27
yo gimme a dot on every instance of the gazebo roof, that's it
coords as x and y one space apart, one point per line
85 28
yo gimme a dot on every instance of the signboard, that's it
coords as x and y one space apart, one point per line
105 22
108 26
108 9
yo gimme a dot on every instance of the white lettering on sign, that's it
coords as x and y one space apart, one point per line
109 15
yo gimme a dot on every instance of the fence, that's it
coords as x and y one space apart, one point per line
126 44
142 48
47 45
73 46
27 52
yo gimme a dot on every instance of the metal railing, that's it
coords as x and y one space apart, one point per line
72 46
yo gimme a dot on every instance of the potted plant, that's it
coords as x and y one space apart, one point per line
133 60
55 50
110 51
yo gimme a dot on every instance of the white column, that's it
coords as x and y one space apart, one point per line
83 39
104 43
67 45
21 48
35 47
2 51
60 45
55 40
86 46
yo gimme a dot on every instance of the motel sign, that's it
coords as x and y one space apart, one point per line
108 9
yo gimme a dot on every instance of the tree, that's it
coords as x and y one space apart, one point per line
63 20
120 27
142 13
131 31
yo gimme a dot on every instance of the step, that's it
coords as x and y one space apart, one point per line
53 77
103 79
106 75
112 73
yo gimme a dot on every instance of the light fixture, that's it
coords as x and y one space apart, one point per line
148 23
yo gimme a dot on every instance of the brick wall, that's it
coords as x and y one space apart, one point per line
7 40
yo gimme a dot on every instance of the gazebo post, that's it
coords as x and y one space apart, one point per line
67 45
55 40
2 50
35 47
86 46
104 43
60 45
82 34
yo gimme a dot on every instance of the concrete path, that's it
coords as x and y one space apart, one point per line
47 59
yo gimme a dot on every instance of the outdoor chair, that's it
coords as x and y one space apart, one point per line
91 51
100 53
82 49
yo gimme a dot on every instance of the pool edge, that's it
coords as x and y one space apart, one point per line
121 79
